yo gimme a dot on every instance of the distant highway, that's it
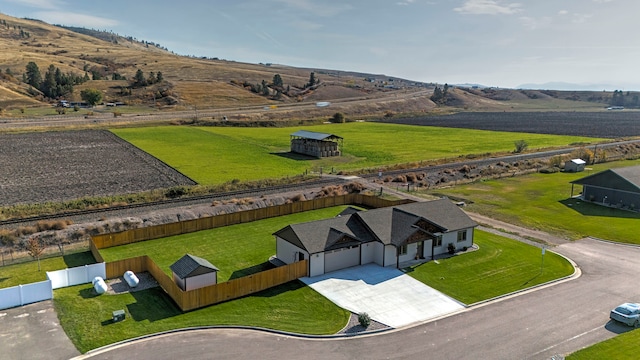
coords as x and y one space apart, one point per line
106 117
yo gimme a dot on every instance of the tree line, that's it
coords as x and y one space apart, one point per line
55 83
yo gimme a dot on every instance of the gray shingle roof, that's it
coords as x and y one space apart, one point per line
314 135
189 266
392 225
627 179
318 236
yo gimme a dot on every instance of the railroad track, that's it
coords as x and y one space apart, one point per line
302 186
180 201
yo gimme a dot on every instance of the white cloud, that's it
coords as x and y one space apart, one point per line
40 4
563 12
74 19
602 1
405 2
488 7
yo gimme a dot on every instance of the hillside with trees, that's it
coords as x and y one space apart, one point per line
42 64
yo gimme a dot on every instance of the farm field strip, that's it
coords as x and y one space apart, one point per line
213 155
604 124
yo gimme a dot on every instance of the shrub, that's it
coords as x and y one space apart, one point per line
521 145
451 248
364 320
555 161
176 192
550 170
338 118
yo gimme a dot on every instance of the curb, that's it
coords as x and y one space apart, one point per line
97 351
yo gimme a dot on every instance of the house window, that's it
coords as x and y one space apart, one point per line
438 241
403 250
462 235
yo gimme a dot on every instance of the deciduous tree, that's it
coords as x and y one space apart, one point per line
35 249
91 96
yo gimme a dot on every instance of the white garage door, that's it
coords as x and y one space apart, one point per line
341 258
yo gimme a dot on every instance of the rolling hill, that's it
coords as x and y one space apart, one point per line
111 61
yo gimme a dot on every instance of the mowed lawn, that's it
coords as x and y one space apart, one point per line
293 307
499 267
214 155
236 250
27 272
622 347
542 201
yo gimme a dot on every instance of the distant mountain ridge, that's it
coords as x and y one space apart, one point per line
578 87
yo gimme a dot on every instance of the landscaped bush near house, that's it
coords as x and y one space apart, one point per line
451 248
364 320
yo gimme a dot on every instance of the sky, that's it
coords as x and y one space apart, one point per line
555 44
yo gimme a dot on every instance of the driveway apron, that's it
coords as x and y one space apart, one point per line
387 295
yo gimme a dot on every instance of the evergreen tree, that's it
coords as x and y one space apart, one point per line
312 79
139 79
48 87
159 77
277 80
33 76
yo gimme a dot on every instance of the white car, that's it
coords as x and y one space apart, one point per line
627 313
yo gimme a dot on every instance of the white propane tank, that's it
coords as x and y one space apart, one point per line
99 285
131 279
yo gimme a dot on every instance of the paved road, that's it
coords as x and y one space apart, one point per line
557 319
33 332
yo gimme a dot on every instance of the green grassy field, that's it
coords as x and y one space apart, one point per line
499 267
237 250
622 347
27 272
542 201
214 155
293 307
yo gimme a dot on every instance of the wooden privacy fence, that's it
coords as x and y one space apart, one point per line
187 226
232 289
213 294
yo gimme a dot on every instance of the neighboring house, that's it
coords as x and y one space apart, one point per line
574 165
614 187
192 272
385 236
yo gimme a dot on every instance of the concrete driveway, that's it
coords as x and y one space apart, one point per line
388 295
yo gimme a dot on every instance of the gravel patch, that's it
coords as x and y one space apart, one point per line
119 285
353 327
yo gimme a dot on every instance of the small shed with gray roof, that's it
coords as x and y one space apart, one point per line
385 236
315 144
574 165
618 188
192 272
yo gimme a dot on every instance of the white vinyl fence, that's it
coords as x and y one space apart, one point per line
40 291
25 294
76 276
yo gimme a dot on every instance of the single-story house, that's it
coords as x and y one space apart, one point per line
192 272
386 236
574 165
614 187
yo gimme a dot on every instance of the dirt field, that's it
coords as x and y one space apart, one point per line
608 124
65 165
